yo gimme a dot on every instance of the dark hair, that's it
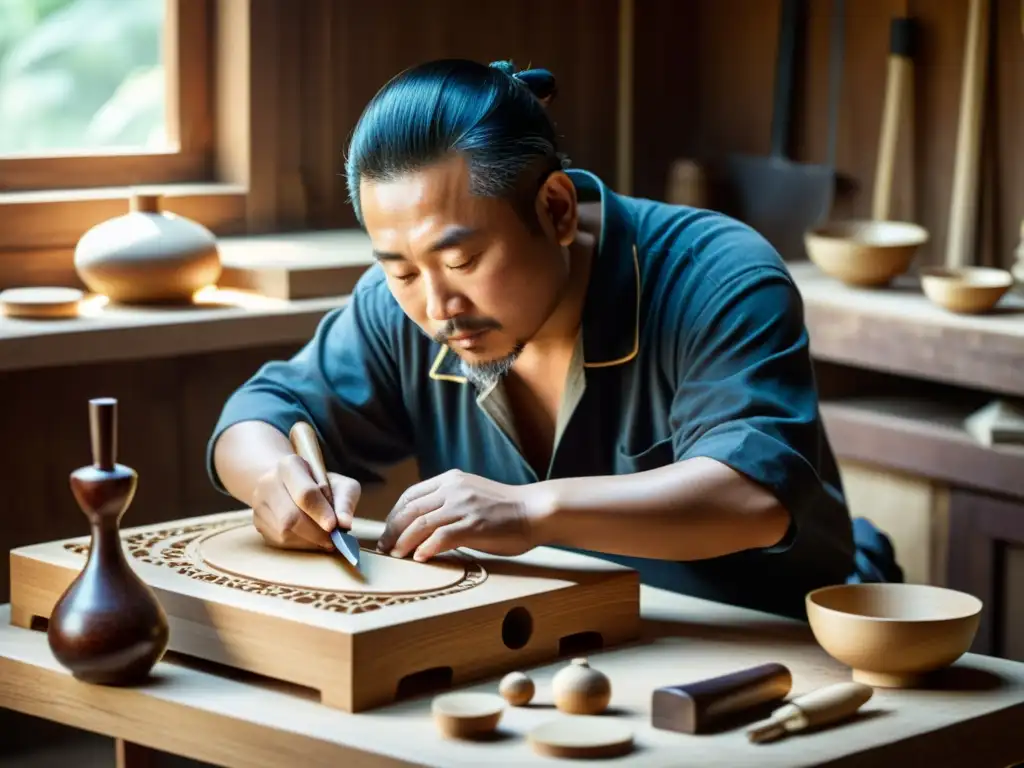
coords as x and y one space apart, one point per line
496 117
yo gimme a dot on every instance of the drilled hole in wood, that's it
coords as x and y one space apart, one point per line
517 628
424 682
580 643
39 624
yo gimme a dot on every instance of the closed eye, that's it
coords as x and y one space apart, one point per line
465 264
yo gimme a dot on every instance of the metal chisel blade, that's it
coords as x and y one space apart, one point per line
347 544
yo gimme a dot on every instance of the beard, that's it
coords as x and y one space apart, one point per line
489 372
485 373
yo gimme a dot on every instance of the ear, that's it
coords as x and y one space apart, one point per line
558 208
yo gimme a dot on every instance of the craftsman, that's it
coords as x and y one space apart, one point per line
569 367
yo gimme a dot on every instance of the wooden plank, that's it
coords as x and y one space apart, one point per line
124 333
57 220
296 265
921 438
237 720
898 330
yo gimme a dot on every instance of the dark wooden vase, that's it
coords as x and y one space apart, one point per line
108 627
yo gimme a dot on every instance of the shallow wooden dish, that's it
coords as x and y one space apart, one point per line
461 715
966 289
41 302
864 253
893 635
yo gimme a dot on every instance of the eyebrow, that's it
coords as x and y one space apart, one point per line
452 237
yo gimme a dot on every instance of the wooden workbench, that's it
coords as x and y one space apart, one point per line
210 716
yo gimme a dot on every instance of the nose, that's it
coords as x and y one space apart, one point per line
442 302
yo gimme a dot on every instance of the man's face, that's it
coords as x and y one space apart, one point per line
467 269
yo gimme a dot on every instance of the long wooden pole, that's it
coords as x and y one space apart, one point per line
624 128
963 205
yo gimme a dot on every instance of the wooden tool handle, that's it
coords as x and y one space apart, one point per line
304 441
963 206
825 705
901 52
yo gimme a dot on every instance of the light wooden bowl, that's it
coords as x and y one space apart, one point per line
467 715
864 253
968 290
893 635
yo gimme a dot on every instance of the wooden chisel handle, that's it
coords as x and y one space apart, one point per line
304 441
825 705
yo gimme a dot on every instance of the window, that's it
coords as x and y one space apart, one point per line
96 93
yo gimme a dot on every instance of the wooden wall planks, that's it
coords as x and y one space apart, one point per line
703 88
167 410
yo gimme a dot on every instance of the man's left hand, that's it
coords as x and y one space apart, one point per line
456 509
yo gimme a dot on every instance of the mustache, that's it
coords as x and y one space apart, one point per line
465 325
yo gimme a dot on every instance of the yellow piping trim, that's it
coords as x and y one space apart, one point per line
636 331
444 376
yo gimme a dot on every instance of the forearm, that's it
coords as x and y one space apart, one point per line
244 452
690 510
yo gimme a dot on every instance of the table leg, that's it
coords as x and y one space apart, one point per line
130 755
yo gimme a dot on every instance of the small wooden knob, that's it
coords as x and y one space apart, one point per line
580 690
103 432
517 689
145 203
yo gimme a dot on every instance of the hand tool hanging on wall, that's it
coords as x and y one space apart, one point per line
898 100
963 204
781 198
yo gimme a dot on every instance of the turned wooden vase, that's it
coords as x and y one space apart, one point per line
148 256
108 627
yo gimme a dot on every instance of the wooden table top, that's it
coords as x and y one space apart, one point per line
213 716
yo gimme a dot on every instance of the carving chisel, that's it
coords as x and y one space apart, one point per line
306 445
821 707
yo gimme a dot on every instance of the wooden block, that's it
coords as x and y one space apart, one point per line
303 618
289 266
703 705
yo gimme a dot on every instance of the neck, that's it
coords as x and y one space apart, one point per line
560 330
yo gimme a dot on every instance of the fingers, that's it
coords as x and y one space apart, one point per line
423 526
306 493
282 524
442 539
417 501
291 510
346 492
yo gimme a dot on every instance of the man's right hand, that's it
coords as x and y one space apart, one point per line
291 511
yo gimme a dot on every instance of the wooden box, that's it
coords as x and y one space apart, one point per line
306 618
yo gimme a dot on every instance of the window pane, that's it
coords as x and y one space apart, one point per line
81 75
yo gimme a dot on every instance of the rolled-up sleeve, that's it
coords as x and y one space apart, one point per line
346 382
746 393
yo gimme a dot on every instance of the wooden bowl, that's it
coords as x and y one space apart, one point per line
893 635
864 253
467 715
968 290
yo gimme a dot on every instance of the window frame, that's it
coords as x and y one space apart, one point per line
189 123
209 178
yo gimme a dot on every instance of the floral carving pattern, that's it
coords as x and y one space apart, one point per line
174 548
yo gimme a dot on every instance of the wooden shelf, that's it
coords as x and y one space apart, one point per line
924 438
142 333
898 330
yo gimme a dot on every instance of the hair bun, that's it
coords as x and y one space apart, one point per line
540 82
